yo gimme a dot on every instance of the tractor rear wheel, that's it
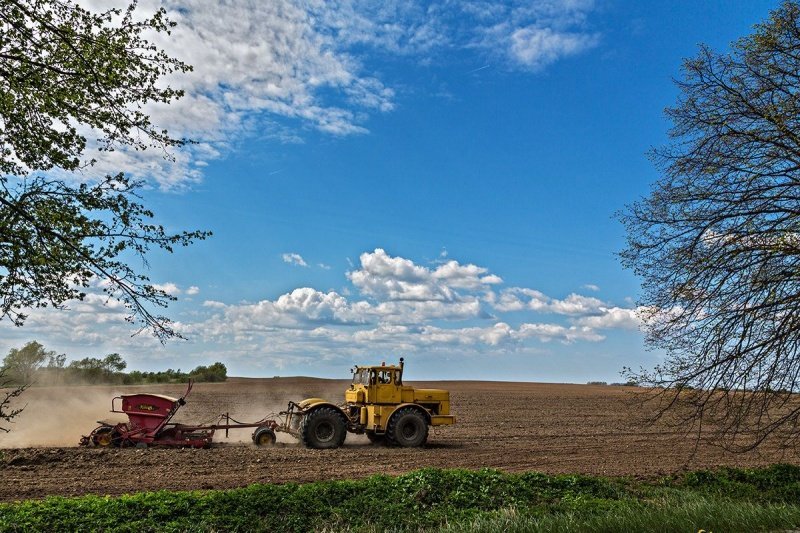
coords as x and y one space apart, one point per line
264 437
407 428
323 428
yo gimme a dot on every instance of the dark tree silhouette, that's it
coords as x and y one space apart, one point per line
717 241
7 394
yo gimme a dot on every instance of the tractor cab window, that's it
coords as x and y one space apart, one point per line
374 376
361 377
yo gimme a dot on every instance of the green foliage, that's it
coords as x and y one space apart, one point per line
165 376
66 73
423 499
431 499
777 483
22 364
676 512
63 66
213 373
94 370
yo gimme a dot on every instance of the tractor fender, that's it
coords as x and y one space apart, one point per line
414 406
314 403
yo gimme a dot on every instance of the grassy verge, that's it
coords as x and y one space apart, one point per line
450 500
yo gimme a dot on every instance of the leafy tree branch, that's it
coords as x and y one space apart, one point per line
66 71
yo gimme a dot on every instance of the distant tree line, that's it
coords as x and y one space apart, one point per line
34 364
630 383
214 373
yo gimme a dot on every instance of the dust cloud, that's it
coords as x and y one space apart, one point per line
58 416
249 414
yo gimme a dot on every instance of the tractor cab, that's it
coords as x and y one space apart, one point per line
376 384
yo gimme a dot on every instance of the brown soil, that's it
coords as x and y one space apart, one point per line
510 426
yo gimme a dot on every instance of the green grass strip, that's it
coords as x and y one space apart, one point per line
450 500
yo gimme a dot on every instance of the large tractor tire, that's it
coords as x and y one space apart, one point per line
323 428
407 428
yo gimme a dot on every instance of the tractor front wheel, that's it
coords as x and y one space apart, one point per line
264 437
407 428
323 428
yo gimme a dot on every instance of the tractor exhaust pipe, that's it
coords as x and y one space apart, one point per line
401 370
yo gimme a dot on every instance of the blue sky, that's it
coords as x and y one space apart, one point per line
434 181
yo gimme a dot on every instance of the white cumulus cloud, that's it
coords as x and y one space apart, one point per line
520 298
394 303
169 288
612 318
395 278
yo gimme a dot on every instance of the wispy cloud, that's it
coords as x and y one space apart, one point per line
285 66
532 35
536 47
294 259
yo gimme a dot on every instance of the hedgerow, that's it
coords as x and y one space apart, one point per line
432 499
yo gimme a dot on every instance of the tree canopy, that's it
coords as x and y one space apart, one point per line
21 364
67 73
717 241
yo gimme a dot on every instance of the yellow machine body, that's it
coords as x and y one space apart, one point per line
377 404
378 391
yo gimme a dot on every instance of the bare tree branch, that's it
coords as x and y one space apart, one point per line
8 392
717 242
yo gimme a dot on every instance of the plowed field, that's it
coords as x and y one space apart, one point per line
515 427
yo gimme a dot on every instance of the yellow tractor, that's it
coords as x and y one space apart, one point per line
377 404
